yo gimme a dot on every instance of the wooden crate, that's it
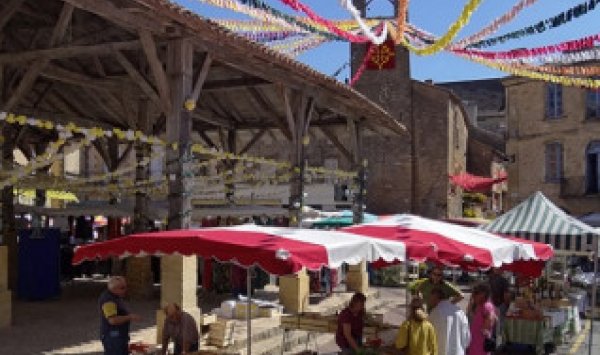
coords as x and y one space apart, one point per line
290 322
294 292
241 310
221 333
268 312
357 281
208 319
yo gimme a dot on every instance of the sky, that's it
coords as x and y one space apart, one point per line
435 16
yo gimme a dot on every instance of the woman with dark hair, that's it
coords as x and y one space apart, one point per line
416 335
351 321
482 314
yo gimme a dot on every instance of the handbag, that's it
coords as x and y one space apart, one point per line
489 344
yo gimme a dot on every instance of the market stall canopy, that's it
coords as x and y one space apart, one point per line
279 251
455 245
476 183
538 218
341 219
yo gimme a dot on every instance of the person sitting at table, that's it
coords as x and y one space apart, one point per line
351 321
482 317
450 324
416 335
436 279
180 327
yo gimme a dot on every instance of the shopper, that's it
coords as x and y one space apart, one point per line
423 287
351 321
115 318
416 335
450 324
482 316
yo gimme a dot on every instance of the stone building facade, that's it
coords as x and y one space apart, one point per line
410 173
554 143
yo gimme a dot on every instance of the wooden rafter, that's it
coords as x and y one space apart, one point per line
33 72
8 12
156 67
207 139
201 79
289 115
108 11
266 105
253 141
65 52
140 80
329 134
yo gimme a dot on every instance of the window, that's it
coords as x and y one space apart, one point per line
592 104
592 171
554 161
554 109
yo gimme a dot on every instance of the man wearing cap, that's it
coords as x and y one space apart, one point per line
436 279
180 327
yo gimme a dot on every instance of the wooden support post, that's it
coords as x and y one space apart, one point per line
230 164
9 231
298 124
179 276
139 270
359 165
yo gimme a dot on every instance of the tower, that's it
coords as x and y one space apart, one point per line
387 82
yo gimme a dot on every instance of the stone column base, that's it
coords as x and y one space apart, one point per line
5 308
160 321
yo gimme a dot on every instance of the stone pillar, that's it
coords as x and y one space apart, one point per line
5 294
294 292
357 278
139 270
179 274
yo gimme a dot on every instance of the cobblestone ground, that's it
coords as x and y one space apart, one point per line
69 325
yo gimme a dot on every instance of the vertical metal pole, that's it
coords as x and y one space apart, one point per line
594 290
248 310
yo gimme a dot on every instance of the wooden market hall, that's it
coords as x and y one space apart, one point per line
149 68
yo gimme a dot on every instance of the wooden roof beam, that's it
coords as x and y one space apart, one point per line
140 80
232 84
264 103
8 12
121 17
65 52
209 117
56 73
253 141
157 69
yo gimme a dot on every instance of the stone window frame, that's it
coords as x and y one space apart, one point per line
554 109
595 95
554 149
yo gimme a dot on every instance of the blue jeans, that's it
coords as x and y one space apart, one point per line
115 343
178 349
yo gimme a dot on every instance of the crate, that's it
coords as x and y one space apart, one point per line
268 312
221 333
290 322
294 292
241 309
208 319
357 281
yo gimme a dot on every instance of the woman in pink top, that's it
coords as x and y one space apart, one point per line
482 318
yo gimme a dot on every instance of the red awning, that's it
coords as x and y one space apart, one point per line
476 183
278 251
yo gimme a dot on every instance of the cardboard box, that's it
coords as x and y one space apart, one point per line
208 319
221 333
357 281
241 310
294 292
269 312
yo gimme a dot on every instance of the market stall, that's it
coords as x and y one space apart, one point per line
555 314
279 251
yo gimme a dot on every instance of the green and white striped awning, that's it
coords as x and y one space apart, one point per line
537 218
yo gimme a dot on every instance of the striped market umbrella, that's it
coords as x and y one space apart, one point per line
538 219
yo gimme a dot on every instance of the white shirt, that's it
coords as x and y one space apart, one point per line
451 327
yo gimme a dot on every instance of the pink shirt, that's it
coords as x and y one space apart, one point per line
477 322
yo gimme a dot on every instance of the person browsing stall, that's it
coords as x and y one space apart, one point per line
482 315
416 335
180 327
115 317
351 321
436 279
450 323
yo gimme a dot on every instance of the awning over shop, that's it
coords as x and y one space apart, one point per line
537 218
278 251
476 183
455 245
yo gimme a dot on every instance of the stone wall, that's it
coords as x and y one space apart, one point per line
528 133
